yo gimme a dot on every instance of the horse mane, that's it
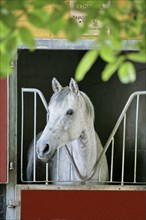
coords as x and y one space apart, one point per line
89 105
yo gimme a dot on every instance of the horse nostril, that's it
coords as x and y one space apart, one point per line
46 149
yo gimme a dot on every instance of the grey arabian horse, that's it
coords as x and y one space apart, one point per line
70 129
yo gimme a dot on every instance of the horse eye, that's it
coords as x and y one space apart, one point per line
70 112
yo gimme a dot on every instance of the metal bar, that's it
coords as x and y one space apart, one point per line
70 167
35 92
112 160
117 125
39 93
99 176
47 165
47 117
12 142
58 161
123 152
34 139
22 131
136 133
123 115
109 140
74 165
83 44
47 170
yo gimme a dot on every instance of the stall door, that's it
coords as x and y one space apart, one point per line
82 205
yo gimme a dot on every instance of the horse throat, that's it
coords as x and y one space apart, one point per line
84 151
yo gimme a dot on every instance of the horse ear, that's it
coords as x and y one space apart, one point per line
73 86
56 85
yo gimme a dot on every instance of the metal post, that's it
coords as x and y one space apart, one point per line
70 167
22 131
34 139
57 164
136 133
47 165
47 168
112 160
123 151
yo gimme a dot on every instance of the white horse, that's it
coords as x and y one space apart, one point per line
70 129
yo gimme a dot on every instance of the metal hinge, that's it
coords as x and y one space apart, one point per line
13 203
11 166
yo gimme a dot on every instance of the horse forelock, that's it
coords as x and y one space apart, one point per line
61 96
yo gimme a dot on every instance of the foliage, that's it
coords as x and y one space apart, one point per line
122 19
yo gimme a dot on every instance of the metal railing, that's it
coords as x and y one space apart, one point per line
111 137
41 96
110 141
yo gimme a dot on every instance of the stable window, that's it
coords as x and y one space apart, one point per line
31 80
127 149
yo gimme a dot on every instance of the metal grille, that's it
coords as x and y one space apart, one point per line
110 144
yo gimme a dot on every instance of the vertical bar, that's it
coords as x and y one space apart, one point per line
47 164
136 132
47 117
112 159
34 140
22 131
123 152
58 161
70 168
47 170
99 173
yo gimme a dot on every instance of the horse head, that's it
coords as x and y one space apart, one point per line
66 119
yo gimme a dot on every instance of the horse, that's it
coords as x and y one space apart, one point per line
69 142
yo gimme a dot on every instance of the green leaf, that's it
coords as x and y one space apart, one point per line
17 4
116 43
2 48
8 18
85 64
127 73
111 68
107 54
4 30
12 43
72 30
5 68
38 18
56 21
56 26
27 37
138 57
40 4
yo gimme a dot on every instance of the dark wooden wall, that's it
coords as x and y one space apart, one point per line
37 70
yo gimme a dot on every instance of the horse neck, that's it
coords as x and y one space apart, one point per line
85 150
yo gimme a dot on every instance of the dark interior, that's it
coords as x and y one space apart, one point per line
36 70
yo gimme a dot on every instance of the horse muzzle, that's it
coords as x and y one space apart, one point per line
44 153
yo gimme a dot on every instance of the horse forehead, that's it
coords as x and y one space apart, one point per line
63 101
